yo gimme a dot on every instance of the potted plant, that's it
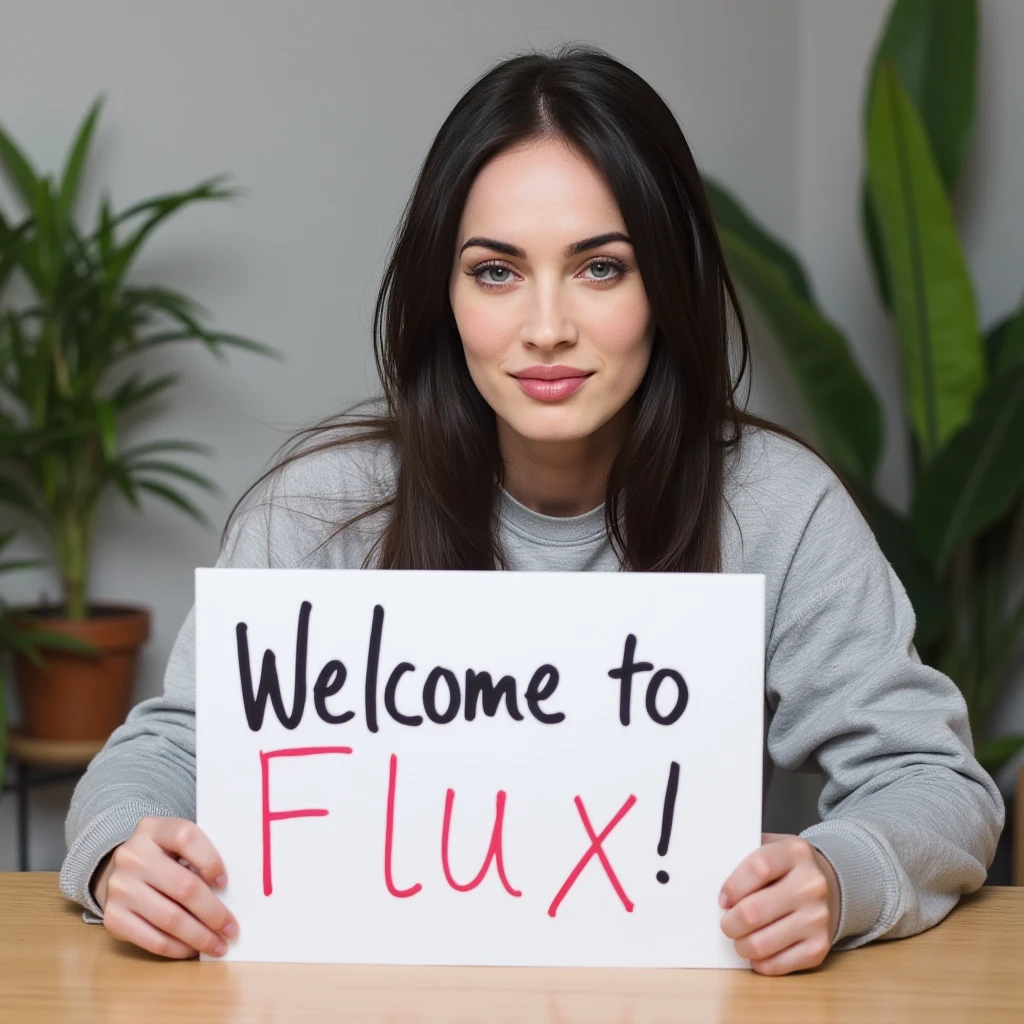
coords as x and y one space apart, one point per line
69 384
22 635
963 387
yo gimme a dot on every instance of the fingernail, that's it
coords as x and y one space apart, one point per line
723 900
230 929
220 949
220 881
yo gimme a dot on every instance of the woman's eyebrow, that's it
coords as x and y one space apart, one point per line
573 249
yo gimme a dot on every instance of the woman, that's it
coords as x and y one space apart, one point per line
552 339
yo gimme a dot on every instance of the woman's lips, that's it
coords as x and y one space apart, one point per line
551 390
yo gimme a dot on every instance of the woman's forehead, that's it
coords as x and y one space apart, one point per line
544 191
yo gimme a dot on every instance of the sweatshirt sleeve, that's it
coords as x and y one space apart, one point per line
910 820
147 768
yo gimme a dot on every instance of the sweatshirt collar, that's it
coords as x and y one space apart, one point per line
551 529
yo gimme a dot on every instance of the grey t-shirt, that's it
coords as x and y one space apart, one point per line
909 818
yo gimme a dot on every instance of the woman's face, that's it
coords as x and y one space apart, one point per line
531 304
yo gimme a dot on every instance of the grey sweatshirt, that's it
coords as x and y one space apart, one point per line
909 818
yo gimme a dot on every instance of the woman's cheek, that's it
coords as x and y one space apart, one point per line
484 351
624 342
482 327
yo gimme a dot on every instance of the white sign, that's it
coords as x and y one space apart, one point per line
506 768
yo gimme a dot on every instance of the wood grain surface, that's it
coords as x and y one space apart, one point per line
54 967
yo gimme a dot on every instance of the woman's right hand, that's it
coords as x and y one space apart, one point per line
152 900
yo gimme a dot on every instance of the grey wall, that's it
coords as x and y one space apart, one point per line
323 111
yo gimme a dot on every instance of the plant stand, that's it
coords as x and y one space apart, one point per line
40 763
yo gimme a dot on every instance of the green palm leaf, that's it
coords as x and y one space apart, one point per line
19 170
76 161
65 403
17 495
159 210
147 448
173 497
136 390
161 466
11 247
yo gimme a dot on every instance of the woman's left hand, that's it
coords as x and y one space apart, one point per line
782 905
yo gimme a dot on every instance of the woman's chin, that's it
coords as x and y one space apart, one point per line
551 426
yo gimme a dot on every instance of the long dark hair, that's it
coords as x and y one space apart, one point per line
664 496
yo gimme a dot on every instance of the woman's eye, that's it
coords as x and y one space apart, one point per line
602 270
605 270
502 274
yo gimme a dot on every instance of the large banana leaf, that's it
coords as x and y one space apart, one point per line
988 634
1004 344
875 246
842 405
992 754
730 215
933 47
942 353
978 475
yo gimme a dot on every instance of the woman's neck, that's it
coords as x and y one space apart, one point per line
561 478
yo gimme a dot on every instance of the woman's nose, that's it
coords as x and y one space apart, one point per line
548 323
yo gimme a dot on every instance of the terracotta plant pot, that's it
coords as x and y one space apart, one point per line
81 696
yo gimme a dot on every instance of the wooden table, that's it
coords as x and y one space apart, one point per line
54 967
